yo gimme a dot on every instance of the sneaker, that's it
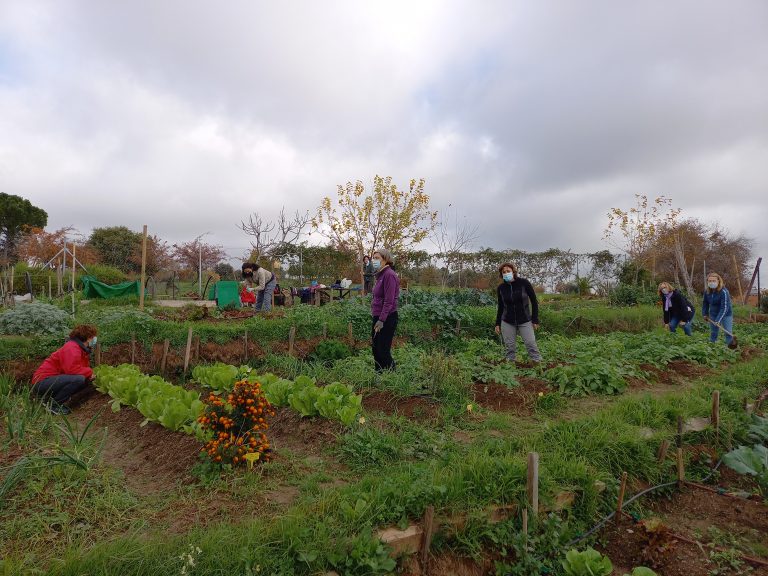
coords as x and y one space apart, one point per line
55 408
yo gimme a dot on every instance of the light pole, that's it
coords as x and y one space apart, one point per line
200 263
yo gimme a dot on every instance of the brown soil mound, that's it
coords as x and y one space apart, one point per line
152 457
519 400
689 514
412 407
307 436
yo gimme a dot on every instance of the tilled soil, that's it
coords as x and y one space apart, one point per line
412 407
691 514
519 400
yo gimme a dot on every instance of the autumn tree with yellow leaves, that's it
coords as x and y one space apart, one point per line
382 217
640 226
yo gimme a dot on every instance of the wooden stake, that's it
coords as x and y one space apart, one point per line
663 448
143 268
164 360
350 332
245 347
622 490
188 350
458 326
133 349
715 418
679 438
738 278
74 265
97 354
197 349
680 467
291 340
50 282
426 541
325 330
532 487
58 279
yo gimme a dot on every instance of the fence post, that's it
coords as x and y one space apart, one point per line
532 487
663 448
164 360
188 350
622 490
97 354
291 340
426 542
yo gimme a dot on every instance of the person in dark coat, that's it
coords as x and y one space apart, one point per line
677 310
517 312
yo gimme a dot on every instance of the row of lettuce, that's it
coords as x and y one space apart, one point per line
179 409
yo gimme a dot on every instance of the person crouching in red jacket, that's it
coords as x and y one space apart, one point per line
66 371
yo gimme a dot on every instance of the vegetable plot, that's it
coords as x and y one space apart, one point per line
158 401
335 401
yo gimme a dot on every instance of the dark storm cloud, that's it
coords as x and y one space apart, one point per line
533 119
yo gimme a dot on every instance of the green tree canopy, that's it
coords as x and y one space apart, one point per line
16 215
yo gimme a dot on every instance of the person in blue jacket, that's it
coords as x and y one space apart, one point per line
717 308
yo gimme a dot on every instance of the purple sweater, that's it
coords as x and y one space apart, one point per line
385 293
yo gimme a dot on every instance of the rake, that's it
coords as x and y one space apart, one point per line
734 341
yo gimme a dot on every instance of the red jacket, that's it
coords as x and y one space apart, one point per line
72 358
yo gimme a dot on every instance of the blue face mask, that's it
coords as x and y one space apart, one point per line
508 276
376 264
93 342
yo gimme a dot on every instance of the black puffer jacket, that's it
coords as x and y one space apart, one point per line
679 308
517 303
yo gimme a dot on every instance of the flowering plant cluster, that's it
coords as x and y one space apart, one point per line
237 425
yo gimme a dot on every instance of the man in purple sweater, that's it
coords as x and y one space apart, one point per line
384 309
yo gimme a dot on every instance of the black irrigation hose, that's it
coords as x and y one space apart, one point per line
606 519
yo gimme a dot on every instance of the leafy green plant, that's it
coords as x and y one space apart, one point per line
642 571
218 376
338 402
328 351
34 318
587 563
758 431
159 401
751 461
593 375
304 400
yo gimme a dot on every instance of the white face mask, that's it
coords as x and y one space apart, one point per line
664 291
712 285
93 341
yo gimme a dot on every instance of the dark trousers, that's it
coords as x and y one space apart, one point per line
381 343
60 388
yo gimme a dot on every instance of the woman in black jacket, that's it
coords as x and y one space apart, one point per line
677 309
517 313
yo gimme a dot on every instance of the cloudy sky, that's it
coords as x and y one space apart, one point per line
531 118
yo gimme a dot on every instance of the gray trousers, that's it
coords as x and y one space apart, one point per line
510 332
264 297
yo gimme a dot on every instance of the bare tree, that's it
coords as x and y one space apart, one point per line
269 237
452 236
